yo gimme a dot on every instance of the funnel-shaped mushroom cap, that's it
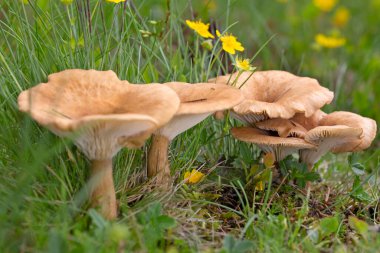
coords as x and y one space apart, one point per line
198 101
97 109
326 138
277 94
280 147
283 127
367 125
205 97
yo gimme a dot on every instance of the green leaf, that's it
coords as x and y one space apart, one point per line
358 169
97 219
231 245
358 192
329 225
166 222
358 225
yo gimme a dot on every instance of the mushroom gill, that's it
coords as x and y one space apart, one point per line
281 147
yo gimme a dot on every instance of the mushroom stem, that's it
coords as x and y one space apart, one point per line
158 163
102 189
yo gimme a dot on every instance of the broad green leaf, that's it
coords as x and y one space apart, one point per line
358 225
329 225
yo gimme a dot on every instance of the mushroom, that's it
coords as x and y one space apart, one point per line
279 146
350 119
198 101
101 114
326 138
339 132
275 94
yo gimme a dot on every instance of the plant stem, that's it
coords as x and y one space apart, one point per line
102 189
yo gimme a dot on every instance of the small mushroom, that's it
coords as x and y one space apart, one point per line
279 146
100 113
350 119
339 132
275 94
326 138
198 101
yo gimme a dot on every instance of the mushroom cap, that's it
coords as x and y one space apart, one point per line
277 94
284 127
77 102
337 133
327 138
281 147
202 98
198 101
309 122
367 125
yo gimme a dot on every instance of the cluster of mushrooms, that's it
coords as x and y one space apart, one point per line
103 114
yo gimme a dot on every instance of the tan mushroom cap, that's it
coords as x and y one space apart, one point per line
201 98
281 147
326 138
277 94
73 100
352 120
198 101
284 127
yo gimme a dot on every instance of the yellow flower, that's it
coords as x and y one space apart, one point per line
325 5
201 28
243 64
230 44
67 2
210 4
116 1
330 41
217 33
193 177
259 186
341 17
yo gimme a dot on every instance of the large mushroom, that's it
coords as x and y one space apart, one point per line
339 132
101 114
198 101
280 147
275 94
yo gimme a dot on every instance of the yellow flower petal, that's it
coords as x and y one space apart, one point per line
259 186
193 177
329 41
341 17
217 33
325 5
116 1
67 2
243 64
201 28
230 44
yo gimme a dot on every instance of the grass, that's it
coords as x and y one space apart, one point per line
42 206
